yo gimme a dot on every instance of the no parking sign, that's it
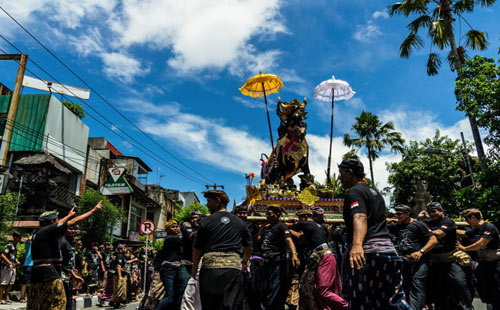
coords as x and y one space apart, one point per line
147 227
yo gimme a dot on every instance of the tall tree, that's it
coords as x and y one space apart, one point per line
437 17
375 136
435 166
478 94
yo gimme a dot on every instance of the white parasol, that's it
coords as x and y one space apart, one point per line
331 90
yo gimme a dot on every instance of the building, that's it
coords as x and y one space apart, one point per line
47 154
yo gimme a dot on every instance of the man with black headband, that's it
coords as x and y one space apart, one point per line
372 268
448 280
226 245
274 238
413 240
47 290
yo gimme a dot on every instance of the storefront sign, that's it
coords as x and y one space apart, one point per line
116 183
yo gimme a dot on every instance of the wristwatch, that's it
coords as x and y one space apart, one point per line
422 251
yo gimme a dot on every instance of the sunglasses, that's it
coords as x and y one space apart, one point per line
399 213
433 211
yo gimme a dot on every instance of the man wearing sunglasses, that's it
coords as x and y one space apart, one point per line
448 280
484 239
413 240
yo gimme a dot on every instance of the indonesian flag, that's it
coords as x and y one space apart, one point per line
354 205
444 226
487 232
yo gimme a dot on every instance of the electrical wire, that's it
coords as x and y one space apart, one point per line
158 159
100 96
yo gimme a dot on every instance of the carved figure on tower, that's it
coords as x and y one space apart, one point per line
290 156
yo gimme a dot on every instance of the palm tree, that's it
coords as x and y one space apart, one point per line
437 17
374 136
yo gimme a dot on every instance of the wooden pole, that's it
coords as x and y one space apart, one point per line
268 118
14 101
331 138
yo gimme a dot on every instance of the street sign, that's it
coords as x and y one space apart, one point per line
160 234
116 183
147 227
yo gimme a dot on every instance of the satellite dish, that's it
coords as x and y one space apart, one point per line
53 87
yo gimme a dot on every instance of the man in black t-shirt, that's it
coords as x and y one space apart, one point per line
413 240
320 284
448 281
252 276
8 267
91 267
47 289
274 238
222 239
119 277
174 275
372 275
485 240
189 230
68 270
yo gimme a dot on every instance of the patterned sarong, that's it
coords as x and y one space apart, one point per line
213 260
46 296
119 289
377 285
156 292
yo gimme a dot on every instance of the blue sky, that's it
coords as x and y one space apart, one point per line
174 69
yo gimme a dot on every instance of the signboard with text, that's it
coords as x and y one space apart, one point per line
116 183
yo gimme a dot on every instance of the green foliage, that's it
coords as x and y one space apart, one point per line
436 19
478 95
76 108
440 168
183 214
375 136
486 196
8 204
98 226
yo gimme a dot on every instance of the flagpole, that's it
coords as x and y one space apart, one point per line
331 138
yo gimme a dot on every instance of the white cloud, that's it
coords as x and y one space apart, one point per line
384 14
195 35
201 34
367 33
122 67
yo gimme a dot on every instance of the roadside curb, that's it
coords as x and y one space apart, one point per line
78 303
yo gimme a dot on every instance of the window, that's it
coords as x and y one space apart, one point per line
135 218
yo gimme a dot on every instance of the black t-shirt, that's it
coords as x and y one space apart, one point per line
171 250
273 238
106 259
78 259
448 242
409 238
92 260
363 199
68 255
314 234
119 260
10 252
45 250
253 229
487 231
188 234
222 232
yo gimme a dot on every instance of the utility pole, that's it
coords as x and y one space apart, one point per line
14 101
214 186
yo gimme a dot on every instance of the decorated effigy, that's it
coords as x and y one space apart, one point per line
288 158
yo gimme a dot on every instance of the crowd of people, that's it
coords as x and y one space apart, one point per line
225 261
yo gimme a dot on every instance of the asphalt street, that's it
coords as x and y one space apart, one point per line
130 306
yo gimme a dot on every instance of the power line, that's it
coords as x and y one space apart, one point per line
160 160
102 98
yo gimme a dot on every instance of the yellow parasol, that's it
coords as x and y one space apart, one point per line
259 86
